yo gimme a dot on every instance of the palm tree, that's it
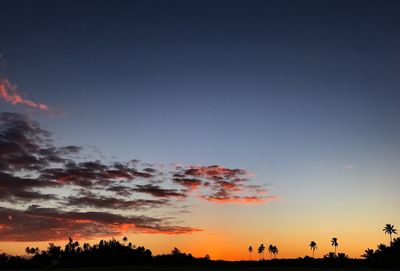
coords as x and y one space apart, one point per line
369 254
261 249
334 243
275 251
250 251
271 250
313 246
389 229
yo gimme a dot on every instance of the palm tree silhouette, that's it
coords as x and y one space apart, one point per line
250 251
389 229
368 254
275 251
334 243
271 250
313 246
261 249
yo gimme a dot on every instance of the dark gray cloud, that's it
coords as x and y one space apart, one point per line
158 191
114 203
31 165
43 224
16 189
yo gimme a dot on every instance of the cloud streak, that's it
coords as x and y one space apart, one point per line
8 93
45 224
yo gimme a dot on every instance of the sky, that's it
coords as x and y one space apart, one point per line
203 125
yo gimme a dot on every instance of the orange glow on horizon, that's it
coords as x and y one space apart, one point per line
226 245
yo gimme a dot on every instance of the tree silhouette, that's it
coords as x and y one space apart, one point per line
54 251
125 239
261 249
334 243
270 250
275 251
32 250
384 256
86 246
389 229
313 246
176 251
250 251
368 254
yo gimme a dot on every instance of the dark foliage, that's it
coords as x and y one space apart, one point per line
113 252
384 256
105 253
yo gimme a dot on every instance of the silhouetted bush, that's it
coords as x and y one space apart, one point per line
384 256
113 252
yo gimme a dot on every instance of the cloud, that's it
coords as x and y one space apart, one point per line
43 224
158 191
224 197
114 203
189 183
9 94
16 189
214 172
218 184
25 146
92 174
94 198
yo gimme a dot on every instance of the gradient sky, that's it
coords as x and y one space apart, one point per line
302 95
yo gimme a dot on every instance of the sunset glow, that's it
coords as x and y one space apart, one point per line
207 126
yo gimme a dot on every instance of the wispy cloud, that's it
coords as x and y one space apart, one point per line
219 184
42 224
8 92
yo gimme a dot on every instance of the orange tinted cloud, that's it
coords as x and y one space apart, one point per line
93 191
238 199
9 94
219 184
214 172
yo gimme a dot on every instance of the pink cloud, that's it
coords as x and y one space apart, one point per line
8 93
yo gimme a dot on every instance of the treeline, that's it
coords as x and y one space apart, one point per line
105 253
113 252
384 256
